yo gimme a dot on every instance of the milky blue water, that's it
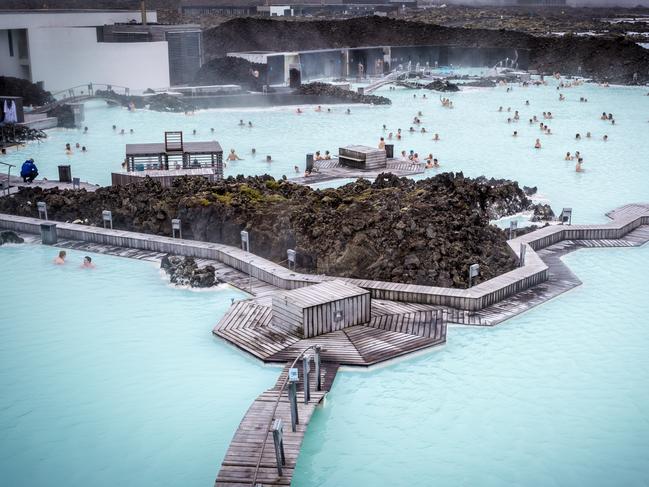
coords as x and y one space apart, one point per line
111 377
555 397
475 138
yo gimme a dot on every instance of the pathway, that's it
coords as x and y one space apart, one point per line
239 466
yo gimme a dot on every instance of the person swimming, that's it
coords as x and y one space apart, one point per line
384 127
194 132
423 130
382 143
568 157
537 144
232 156
578 167
269 159
249 124
318 108
60 259
114 127
436 137
253 151
515 134
131 131
121 132
605 138
588 135
577 137
390 136
83 149
87 263
241 124
296 169
348 112
85 130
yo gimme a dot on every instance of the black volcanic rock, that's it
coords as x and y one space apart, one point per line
325 89
393 229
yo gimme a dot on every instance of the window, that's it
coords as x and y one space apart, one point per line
11 44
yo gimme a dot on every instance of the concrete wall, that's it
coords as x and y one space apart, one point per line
10 65
67 57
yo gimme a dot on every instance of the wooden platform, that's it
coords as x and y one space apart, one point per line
561 279
240 463
223 272
388 335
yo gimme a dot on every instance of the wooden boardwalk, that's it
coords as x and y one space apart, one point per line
223 272
561 278
389 334
240 463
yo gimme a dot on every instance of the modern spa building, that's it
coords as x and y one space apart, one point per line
67 48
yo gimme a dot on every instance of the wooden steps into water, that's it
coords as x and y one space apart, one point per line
248 326
240 462
222 271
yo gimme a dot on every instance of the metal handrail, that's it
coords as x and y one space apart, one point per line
272 418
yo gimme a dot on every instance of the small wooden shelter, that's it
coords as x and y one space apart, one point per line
322 308
362 157
174 154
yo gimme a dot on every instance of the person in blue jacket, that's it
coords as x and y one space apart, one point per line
28 171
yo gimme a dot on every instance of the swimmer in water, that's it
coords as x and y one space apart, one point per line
85 130
577 137
435 163
404 156
60 259
212 130
515 133
253 151
121 132
384 128
348 112
500 109
390 136
77 145
423 130
269 159
317 156
249 124
568 157
232 156
327 155
131 131
241 124
194 132
83 149
318 109
578 167
436 137
605 138
114 127
296 169
588 135
537 144
87 263
382 143
411 130
527 102
415 158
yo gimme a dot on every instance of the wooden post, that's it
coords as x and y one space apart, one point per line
305 370
292 397
318 379
278 440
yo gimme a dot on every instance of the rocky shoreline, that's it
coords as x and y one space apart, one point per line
393 229
350 96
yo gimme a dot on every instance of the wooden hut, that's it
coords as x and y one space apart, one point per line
362 157
322 308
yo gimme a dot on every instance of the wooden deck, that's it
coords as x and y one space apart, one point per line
240 462
561 279
388 335
224 272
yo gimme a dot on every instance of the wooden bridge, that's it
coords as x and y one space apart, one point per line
81 93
